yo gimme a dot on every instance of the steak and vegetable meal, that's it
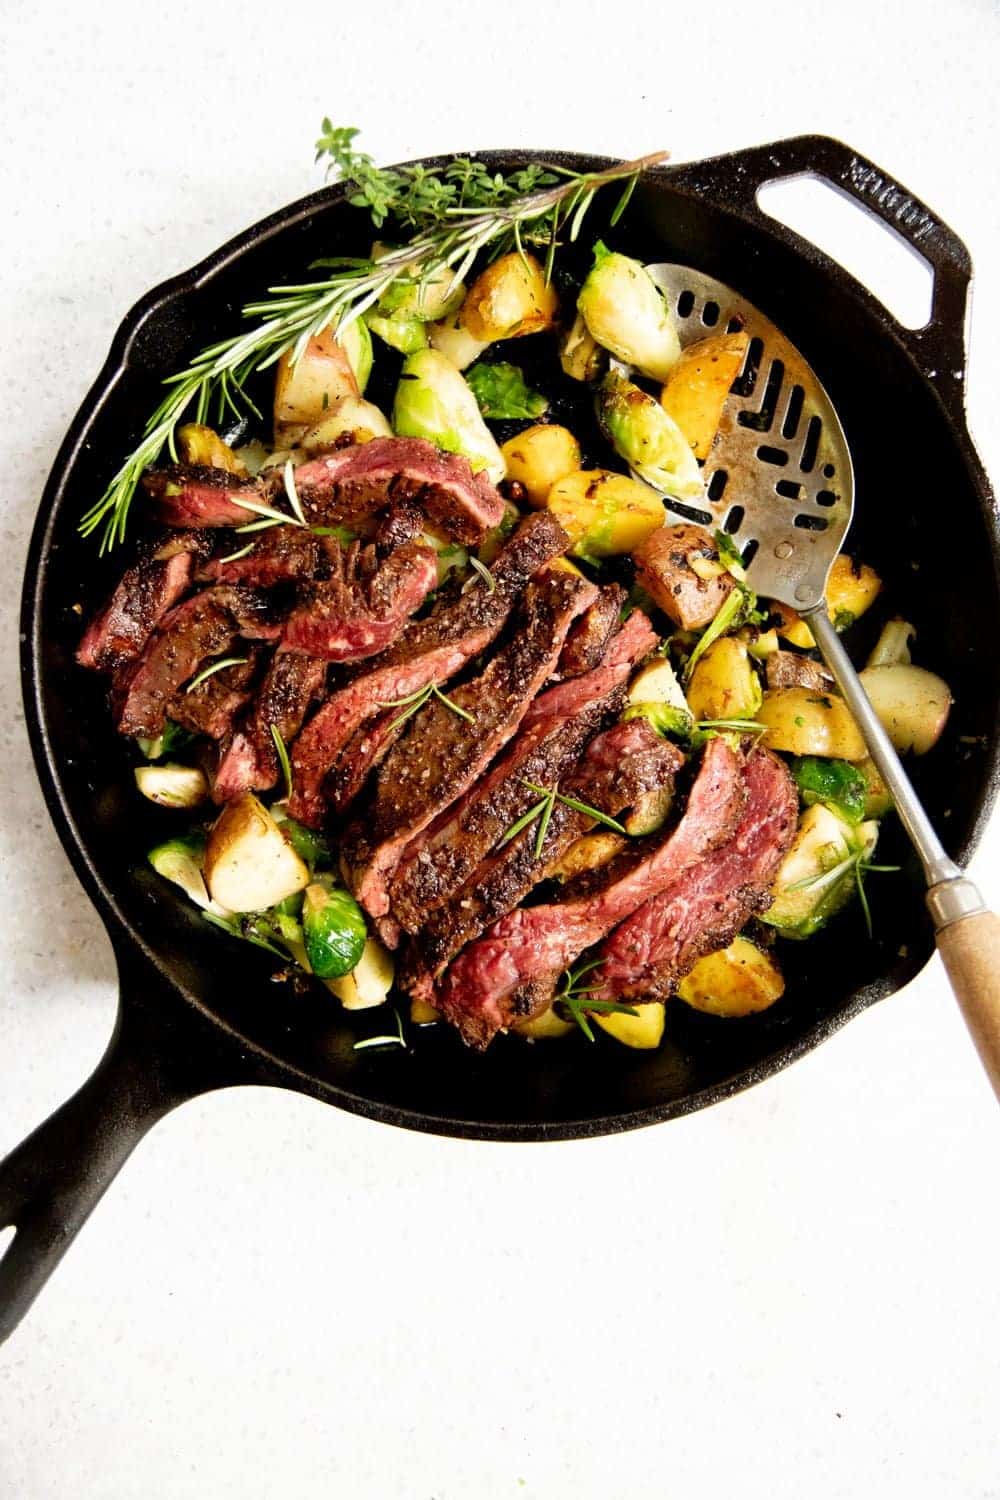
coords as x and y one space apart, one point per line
447 700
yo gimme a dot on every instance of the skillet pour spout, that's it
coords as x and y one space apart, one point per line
197 1012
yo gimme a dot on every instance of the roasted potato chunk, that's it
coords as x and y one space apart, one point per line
803 722
697 386
644 1030
605 513
369 982
305 391
912 704
539 456
249 864
735 981
509 299
197 444
545 1027
664 562
588 853
723 684
851 588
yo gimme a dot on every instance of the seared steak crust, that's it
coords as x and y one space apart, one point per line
363 605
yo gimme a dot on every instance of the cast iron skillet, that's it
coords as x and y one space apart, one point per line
198 1012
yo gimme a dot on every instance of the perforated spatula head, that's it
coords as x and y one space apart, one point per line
778 478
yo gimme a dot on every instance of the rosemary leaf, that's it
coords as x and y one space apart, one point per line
212 668
283 761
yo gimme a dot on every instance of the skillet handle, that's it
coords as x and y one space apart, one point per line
939 348
50 1182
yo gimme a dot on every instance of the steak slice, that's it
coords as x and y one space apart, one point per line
429 650
211 707
585 643
147 592
278 555
364 604
249 761
535 943
544 751
705 907
206 625
366 749
442 753
196 495
617 769
344 487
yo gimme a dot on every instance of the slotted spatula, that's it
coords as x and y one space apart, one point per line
779 480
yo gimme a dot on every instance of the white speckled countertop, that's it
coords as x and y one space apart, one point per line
792 1294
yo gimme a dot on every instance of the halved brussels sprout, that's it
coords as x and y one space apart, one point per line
818 874
172 785
180 860
624 311
333 928
836 783
648 438
405 334
433 401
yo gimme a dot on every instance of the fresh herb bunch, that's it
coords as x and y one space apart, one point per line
457 217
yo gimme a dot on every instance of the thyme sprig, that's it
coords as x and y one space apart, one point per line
457 216
578 998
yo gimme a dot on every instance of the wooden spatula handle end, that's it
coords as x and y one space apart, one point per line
970 949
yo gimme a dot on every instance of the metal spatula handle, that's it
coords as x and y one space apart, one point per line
968 935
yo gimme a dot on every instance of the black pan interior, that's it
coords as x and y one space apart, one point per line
923 522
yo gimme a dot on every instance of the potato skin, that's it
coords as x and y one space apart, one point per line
351 415
912 704
851 588
605 514
801 721
508 300
303 392
665 572
735 981
538 457
723 684
249 864
696 388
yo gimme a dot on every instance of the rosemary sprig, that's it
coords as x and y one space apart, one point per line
235 556
212 668
399 1040
859 867
543 809
414 701
453 229
578 999
484 573
283 760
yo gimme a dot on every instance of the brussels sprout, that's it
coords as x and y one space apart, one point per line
434 402
503 394
819 874
656 688
836 783
307 843
405 334
174 737
357 345
180 860
172 785
640 430
428 297
623 310
334 931
580 355
455 342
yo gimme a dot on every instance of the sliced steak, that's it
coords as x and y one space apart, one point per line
543 753
345 487
277 555
704 908
364 604
585 643
441 753
249 761
366 749
429 650
788 669
617 769
146 593
206 625
537 943
212 706
195 495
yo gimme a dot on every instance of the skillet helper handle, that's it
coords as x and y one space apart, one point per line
968 936
51 1182
939 348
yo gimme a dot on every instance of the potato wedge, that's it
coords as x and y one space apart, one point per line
422 1014
350 416
588 853
912 704
724 684
304 392
198 444
734 981
369 983
803 722
643 1031
692 596
851 588
605 514
509 299
545 1027
538 457
249 864
697 386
